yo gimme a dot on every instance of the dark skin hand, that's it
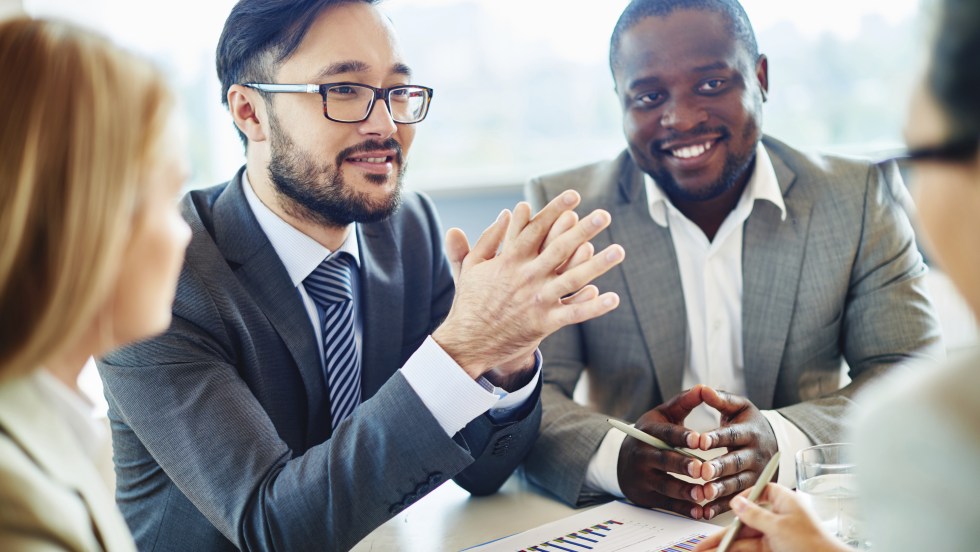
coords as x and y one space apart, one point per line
643 469
744 431
750 441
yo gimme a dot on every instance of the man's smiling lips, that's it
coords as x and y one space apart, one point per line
375 162
691 153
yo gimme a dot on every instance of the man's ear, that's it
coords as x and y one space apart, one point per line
248 111
762 75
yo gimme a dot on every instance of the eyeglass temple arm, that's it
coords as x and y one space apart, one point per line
307 88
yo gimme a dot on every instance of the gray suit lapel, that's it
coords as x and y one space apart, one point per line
652 279
243 243
772 257
382 299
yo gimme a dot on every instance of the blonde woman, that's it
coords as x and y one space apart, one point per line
91 244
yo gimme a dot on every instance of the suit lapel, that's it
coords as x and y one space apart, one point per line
382 299
652 279
258 267
772 257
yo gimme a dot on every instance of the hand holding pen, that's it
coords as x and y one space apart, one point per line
644 470
778 523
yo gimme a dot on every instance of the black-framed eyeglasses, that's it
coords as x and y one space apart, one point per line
351 102
960 149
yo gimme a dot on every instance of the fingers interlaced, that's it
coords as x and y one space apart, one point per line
574 278
486 247
534 231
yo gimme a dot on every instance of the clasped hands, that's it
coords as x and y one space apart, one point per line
644 470
526 277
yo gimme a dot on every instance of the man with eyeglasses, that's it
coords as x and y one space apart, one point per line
322 371
755 271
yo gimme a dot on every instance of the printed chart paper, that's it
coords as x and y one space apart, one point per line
616 526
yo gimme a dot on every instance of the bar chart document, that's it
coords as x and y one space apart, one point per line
616 526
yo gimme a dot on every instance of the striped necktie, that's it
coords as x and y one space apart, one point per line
330 287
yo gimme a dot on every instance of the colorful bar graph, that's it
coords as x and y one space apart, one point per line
588 538
686 545
572 541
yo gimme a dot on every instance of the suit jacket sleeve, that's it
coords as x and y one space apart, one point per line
888 318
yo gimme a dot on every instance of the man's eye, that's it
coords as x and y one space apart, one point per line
343 91
650 99
712 85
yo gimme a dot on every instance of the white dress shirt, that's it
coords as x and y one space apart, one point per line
711 278
453 398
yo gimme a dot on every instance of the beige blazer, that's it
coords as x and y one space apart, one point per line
51 495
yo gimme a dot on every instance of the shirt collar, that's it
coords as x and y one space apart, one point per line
762 186
299 253
75 410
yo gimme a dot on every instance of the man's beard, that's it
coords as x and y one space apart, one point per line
736 165
317 192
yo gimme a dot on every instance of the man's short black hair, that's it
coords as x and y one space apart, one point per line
260 34
954 72
637 10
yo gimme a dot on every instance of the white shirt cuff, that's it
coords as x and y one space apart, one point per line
603 472
511 401
453 398
790 440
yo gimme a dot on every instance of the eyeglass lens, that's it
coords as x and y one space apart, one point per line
352 103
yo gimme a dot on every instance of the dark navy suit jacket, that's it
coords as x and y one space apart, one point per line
221 426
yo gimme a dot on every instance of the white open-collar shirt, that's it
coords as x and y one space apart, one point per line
453 398
711 278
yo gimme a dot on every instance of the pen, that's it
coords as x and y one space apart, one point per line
649 439
754 494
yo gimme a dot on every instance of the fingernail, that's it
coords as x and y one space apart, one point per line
696 513
739 504
694 468
598 219
694 494
612 255
501 216
609 301
568 198
709 513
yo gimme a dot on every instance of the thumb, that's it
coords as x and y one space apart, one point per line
726 403
754 516
457 248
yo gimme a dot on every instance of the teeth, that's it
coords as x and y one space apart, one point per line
370 159
689 152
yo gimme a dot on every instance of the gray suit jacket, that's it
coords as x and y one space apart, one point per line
840 277
221 426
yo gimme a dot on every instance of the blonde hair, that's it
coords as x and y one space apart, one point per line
79 119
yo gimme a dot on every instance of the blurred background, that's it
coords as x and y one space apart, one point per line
523 86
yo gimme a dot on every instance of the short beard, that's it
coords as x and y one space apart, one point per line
736 166
318 193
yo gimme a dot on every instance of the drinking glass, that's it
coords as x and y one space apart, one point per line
827 483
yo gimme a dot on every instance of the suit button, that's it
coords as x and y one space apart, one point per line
502 445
